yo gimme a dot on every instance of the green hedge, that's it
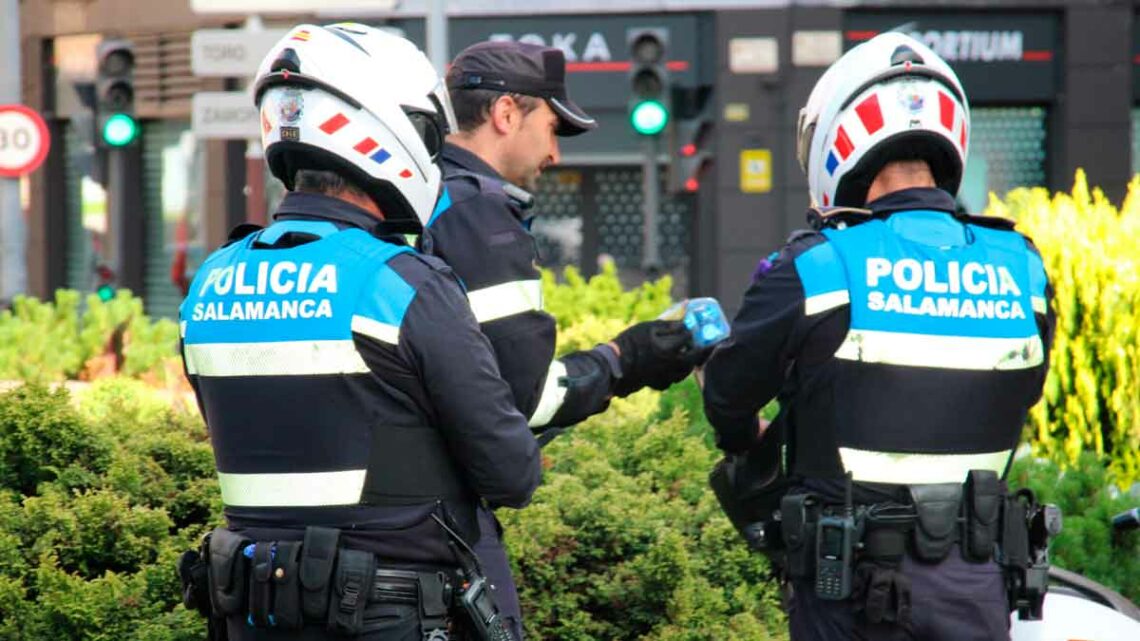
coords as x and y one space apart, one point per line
99 495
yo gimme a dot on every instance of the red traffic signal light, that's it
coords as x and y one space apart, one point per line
689 150
692 184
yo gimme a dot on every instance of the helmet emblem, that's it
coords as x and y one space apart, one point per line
291 107
911 98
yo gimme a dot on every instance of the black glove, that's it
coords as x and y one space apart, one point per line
655 354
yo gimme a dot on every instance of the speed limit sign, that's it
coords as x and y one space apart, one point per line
24 140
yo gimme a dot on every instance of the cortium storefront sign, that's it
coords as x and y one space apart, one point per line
999 57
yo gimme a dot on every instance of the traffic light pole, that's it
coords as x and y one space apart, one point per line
125 218
651 198
13 269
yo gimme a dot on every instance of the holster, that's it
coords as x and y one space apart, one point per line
749 488
936 508
318 555
798 518
194 573
287 585
984 493
261 585
351 586
227 572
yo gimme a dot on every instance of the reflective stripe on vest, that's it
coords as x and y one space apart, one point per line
948 352
305 489
277 358
898 468
506 299
553 394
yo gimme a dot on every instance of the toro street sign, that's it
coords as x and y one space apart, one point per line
24 141
230 52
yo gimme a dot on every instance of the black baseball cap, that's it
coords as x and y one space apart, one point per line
523 68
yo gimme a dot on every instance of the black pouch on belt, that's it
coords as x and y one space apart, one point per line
983 498
227 572
936 506
798 530
287 585
261 584
351 586
318 555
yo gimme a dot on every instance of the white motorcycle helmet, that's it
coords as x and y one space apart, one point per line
890 98
361 102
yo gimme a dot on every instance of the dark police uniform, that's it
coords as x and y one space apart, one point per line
904 350
346 384
484 236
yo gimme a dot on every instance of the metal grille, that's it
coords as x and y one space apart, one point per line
1007 150
164 84
1136 141
558 227
569 198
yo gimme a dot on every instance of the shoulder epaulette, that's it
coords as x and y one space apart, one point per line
836 217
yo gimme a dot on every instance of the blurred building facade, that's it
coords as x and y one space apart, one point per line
1053 85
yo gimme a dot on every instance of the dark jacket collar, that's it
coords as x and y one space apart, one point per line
456 157
929 198
308 206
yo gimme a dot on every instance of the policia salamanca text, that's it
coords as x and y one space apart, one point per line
283 278
973 278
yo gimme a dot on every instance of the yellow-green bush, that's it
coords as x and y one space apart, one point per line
1092 255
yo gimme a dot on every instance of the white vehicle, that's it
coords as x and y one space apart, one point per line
1079 608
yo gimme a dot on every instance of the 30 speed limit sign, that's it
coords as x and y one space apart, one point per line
24 140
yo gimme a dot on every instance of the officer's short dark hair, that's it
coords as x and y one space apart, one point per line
473 106
330 183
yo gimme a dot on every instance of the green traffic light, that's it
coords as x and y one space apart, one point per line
105 292
120 129
649 117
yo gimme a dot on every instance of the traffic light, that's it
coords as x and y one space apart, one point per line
115 124
692 136
104 283
649 102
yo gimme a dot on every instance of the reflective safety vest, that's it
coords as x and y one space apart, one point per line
943 354
297 415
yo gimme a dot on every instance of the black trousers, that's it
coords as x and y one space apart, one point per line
954 600
493 557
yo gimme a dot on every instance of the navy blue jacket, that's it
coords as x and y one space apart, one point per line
345 383
904 349
484 237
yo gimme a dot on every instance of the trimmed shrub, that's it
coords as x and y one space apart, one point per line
1092 255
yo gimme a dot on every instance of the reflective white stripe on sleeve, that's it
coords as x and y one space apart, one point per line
382 332
292 490
822 302
1039 304
890 467
182 329
949 352
553 394
286 358
506 299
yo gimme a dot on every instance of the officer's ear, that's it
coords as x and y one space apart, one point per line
505 114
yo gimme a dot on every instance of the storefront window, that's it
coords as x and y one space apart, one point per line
1007 150
172 197
86 255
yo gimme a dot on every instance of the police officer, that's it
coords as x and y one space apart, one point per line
511 106
356 411
905 344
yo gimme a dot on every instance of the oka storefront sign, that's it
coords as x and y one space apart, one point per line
998 57
596 48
